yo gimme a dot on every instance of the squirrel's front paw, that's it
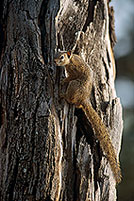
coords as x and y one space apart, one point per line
62 95
63 82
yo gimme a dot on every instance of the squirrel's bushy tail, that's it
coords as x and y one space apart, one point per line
104 139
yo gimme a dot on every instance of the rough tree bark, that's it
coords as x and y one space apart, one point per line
48 150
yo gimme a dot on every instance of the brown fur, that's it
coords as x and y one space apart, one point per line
78 92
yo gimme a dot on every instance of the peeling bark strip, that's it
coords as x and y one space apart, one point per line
48 150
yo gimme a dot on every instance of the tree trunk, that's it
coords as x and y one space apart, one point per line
48 150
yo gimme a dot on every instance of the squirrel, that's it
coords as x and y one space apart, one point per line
78 91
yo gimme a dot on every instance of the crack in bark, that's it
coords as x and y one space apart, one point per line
89 19
10 189
3 25
42 26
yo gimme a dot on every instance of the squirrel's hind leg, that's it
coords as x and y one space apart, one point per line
74 93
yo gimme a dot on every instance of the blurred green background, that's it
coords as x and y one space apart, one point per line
124 54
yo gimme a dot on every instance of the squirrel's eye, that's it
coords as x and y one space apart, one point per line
62 57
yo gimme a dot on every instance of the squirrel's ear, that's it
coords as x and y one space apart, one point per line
69 54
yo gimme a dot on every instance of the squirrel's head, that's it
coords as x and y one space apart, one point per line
62 58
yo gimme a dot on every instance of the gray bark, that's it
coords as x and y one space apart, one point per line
48 150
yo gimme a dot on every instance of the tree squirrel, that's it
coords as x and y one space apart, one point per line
78 91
